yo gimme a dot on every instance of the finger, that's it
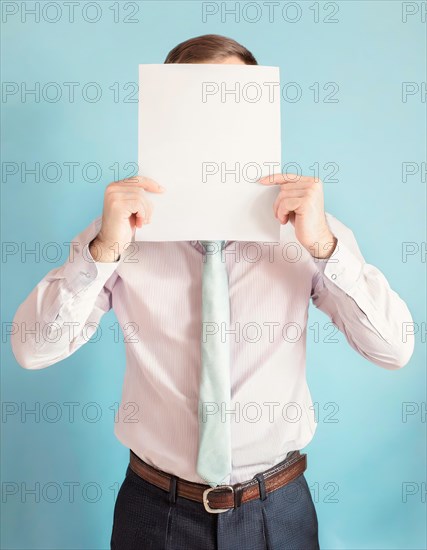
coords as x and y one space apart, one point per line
296 185
135 194
277 203
285 195
127 192
288 205
285 207
139 219
142 209
274 179
290 193
148 208
144 182
145 212
283 213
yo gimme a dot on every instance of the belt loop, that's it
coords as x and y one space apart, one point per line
261 484
238 494
292 454
172 490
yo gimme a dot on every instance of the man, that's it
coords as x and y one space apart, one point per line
215 341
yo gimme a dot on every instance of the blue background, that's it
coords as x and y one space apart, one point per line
359 461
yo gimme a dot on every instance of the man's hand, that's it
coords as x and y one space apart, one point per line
300 201
126 207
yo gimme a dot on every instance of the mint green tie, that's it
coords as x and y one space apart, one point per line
214 456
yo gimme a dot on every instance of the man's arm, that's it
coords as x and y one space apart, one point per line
358 299
50 324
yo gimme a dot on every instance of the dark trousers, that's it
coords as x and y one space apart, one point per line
148 518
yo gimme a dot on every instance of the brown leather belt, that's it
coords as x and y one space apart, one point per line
224 497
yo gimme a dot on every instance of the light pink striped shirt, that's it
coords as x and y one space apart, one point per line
155 291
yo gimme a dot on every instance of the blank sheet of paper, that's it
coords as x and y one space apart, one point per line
207 133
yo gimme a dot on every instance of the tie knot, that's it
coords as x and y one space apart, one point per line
212 246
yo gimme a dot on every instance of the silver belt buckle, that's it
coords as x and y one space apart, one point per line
206 501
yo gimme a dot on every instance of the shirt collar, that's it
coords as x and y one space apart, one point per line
198 245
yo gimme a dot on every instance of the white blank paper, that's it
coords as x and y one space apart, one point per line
207 132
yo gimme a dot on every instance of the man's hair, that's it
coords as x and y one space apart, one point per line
209 47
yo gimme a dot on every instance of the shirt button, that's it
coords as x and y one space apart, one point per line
333 276
193 243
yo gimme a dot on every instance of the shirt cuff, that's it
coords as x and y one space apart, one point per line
80 269
342 268
81 274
